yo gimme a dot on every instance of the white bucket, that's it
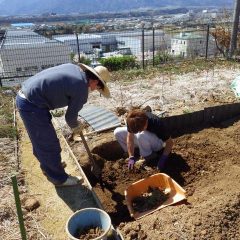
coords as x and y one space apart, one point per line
88 217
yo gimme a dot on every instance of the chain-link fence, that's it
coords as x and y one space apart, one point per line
26 52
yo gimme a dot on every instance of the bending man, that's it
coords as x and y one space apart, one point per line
56 87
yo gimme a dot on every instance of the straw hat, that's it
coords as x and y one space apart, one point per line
103 75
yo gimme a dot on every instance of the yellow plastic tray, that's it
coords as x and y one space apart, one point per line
160 180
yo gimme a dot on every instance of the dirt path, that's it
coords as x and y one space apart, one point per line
9 228
56 204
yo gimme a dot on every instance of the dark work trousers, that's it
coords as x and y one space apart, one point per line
46 146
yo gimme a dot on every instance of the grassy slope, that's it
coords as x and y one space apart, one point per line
170 69
7 128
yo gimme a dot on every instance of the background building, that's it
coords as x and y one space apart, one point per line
191 45
135 41
24 52
88 42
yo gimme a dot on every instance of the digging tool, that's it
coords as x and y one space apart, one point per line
96 170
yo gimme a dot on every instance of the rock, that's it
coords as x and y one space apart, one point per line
121 111
31 204
133 235
147 109
142 235
127 231
203 232
115 165
197 222
121 225
24 211
139 163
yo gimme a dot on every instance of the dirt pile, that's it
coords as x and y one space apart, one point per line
149 200
89 233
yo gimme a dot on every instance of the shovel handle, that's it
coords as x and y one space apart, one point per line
95 169
87 148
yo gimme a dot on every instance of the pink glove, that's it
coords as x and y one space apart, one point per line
131 162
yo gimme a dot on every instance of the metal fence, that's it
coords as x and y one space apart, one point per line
25 52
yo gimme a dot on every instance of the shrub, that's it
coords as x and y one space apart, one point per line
162 57
8 131
83 59
119 62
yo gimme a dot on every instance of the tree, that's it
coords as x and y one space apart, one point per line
222 33
222 36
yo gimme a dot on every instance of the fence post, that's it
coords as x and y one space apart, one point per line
143 48
78 47
19 209
153 46
207 40
233 42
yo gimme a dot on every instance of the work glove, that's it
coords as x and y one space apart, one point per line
131 162
77 130
161 162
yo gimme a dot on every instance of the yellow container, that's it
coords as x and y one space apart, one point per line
160 180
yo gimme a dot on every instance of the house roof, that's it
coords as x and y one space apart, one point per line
187 36
25 39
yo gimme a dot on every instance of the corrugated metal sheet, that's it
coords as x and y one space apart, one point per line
99 118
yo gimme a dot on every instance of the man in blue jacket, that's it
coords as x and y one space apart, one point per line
56 87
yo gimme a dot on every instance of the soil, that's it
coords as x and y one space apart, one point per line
206 164
89 233
149 200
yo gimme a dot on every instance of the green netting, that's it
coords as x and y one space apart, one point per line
235 85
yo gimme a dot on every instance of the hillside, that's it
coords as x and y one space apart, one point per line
82 6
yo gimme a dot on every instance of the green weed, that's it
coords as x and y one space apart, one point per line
6 112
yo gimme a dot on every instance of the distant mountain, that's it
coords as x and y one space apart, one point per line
18 7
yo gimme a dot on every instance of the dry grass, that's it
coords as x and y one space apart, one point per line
7 128
9 166
169 69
